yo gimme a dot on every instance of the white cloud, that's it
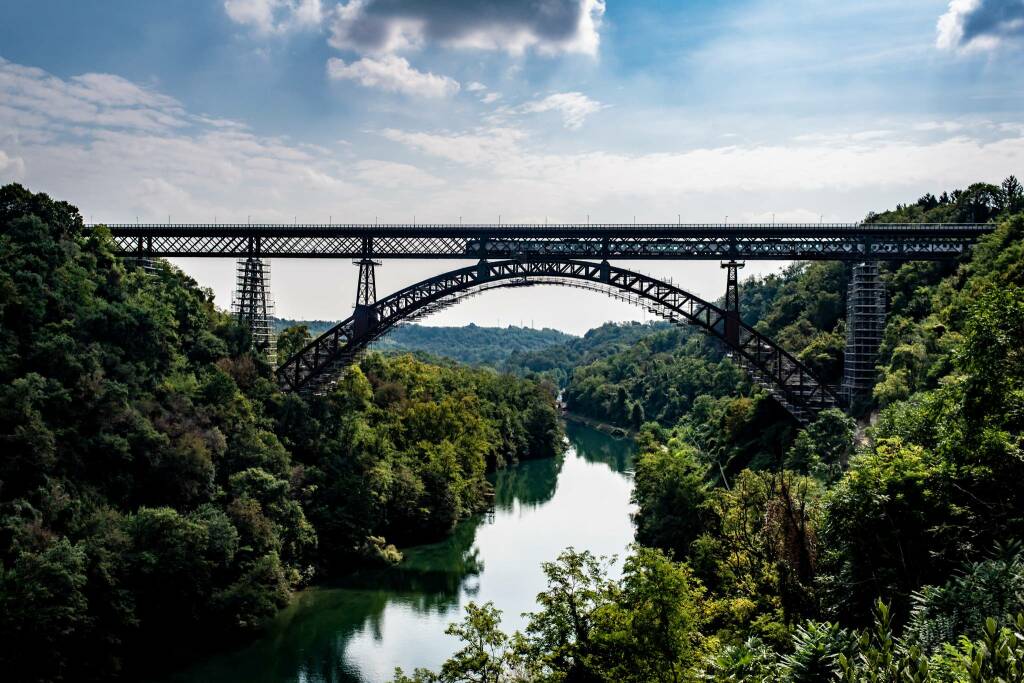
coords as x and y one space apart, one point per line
977 25
491 97
90 99
820 164
11 168
114 146
393 74
476 148
274 16
393 175
553 27
574 107
476 87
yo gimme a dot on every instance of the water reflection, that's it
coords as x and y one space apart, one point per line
361 628
595 446
530 484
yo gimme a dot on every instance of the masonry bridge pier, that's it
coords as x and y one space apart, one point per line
577 255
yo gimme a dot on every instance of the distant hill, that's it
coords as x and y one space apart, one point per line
471 344
316 327
558 361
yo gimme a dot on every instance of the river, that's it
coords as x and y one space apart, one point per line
361 629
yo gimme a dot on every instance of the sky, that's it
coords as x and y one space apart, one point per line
531 110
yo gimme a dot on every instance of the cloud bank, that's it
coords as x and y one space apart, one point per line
158 158
980 24
547 26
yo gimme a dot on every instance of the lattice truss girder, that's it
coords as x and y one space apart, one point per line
324 358
819 248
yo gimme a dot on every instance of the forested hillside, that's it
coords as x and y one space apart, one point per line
768 553
470 344
159 496
557 362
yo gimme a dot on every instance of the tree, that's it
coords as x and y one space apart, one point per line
44 613
291 340
823 448
484 658
1012 195
670 491
558 643
880 527
651 630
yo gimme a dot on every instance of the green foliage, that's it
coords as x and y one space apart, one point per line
559 642
823 448
558 361
989 588
44 605
816 650
661 373
159 496
670 493
651 629
644 628
291 340
484 658
472 344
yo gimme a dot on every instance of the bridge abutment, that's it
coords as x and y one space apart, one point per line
865 325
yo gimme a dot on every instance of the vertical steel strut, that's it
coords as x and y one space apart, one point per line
732 301
365 315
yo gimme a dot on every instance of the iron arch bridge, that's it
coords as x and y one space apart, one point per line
564 254
322 361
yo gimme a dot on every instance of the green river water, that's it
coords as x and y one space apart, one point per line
361 629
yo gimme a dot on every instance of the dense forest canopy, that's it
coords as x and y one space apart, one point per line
472 344
885 551
159 495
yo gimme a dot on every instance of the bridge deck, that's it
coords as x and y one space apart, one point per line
843 241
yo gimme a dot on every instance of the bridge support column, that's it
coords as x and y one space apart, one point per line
732 301
865 324
365 313
252 303
141 257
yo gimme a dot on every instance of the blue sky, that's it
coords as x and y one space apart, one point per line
536 109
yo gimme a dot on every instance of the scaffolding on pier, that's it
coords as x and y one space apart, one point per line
865 325
252 303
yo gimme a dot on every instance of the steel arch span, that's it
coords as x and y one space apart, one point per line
320 363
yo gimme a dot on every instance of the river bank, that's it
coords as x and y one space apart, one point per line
611 430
